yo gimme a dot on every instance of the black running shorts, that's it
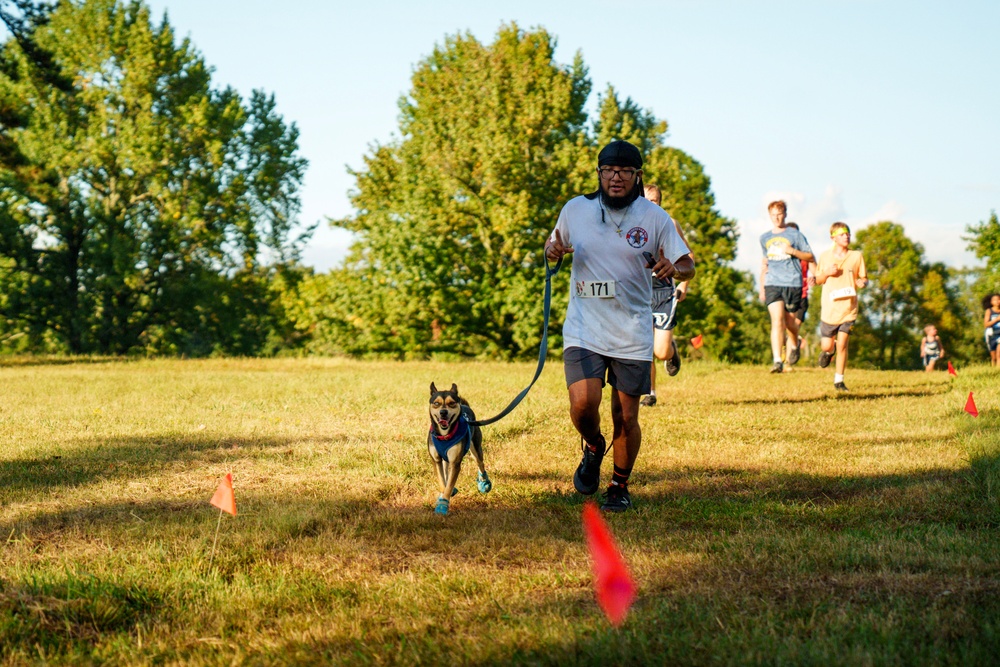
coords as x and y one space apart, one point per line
792 297
831 330
626 375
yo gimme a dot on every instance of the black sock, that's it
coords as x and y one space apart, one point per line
620 476
598 446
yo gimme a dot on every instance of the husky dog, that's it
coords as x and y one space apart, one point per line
450 439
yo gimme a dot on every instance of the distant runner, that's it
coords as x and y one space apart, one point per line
991 321
666 298
781 282
931 348
841 273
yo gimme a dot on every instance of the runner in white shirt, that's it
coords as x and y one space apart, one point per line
608 331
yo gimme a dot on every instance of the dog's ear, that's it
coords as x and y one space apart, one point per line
454 388
433 388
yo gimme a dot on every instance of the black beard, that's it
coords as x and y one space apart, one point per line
618 203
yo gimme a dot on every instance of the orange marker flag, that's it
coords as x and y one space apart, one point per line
224 497
970 406
951 370
696 341
612 581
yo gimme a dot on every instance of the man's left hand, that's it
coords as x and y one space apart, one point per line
663 268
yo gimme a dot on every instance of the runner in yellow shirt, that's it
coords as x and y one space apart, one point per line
841 272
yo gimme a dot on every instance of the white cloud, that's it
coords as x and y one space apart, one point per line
942 241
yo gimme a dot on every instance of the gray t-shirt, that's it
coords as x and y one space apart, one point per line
783 270
607 256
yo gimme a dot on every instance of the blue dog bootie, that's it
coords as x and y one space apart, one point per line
484 483
442 506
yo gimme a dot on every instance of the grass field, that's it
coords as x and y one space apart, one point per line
775 522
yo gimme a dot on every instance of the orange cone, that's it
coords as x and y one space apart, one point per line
951 370
612 582
970 406
224 497
696 341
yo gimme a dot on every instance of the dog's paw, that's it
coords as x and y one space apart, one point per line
484 483
442 506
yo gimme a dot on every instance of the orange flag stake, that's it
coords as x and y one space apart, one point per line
970 406
951 370
612 582
696 341
225 499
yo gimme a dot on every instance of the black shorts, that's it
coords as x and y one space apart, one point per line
791 296
800 314
626 375
991 341
664 309
831 330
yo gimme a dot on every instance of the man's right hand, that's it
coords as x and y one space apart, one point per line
554 250
763 297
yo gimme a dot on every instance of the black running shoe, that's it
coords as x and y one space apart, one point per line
840 386
587 477
778 367
793 356
824 359
616 499
673 364
649 401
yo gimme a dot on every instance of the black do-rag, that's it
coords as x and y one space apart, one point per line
620 153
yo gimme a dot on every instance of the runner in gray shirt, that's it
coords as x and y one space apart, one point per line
608 331
784 250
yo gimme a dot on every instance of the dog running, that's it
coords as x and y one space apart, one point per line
450 439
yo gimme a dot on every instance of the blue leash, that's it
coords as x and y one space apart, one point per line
543 348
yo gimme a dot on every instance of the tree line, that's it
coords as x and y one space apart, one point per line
144 210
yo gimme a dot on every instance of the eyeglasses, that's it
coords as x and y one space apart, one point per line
607 173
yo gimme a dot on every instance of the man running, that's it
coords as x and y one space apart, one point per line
781 282
666 298
608 331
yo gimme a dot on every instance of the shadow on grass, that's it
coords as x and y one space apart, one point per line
748 605
114 458
67 612
719 496
859 395
19 361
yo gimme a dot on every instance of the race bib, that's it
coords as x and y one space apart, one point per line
776 253
595 289
844 293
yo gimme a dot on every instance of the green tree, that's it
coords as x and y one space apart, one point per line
904 294
151 210
942 304
453 214
890 304
984 241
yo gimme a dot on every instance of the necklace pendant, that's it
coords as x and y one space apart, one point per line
619 232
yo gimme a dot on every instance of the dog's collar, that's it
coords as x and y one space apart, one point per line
458 434
450 435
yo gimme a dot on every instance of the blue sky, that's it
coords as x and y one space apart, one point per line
849 110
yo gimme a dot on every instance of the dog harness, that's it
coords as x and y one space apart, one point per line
461 432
